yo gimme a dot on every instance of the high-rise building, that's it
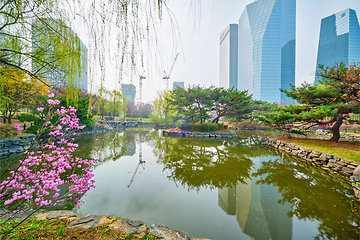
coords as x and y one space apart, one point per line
229 57
256 206
129 92
178 84
266 49
6 42
339 40
59 65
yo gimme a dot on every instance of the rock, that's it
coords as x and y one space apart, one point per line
42 216
341 163
355 178
351 166
337 168
330 165
347 171
20 216
357 171
164 232
130 226
318 153
61 214
142 230
346 160
354 163
106 219
357 193
86 221
3 212
312 155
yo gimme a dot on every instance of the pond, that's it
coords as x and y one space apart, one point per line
216 189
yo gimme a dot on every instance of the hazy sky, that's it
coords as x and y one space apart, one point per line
198 60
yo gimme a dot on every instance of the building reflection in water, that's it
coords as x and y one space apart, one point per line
130 149
257 208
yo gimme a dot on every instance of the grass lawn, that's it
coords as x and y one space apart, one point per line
346 150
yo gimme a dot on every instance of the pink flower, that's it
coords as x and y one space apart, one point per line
51 95
40 109
42 172
53 102
17 126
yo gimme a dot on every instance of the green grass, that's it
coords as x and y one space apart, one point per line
346 150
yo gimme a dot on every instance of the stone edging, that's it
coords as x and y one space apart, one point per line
252 129
15 145
200 135
327 161
88 221
135 124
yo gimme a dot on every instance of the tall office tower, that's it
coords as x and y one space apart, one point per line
178 84
256 206
129 92
229 56
59 64
339 40
266 49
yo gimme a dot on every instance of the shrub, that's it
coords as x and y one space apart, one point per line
185 126
7 131
26 117
33 129
206 127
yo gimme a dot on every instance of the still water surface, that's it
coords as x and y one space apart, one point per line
217 189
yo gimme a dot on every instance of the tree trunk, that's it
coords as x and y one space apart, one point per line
9 119
4 119
216 120
336 129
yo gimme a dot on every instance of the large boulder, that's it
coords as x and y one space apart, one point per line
130 226
164 232
356 171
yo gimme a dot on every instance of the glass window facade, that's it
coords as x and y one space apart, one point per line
229 56
266 49
339 40
56 75
129 92
178 84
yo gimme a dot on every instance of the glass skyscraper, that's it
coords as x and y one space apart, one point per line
129 92
339 40
266 49
48 67
229 56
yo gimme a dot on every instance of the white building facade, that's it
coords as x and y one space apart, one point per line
229 57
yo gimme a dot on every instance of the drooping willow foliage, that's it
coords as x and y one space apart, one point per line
42 38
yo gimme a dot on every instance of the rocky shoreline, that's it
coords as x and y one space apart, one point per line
200 135
88 221
330 162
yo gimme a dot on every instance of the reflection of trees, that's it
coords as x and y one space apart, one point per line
316 195
110 146
205 163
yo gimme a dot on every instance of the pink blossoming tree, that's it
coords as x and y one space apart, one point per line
32 182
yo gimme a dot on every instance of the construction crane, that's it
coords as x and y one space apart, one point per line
141 77
167 76
141 162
